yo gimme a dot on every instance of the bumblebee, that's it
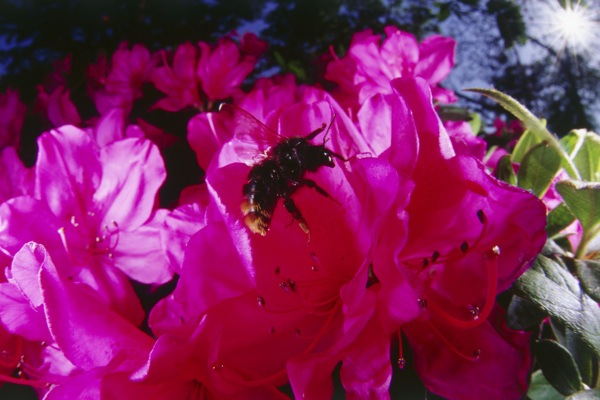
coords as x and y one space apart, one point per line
281 172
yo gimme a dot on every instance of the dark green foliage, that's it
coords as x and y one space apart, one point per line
50 30
510 21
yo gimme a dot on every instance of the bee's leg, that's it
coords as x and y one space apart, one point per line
316 132
312 184
291 207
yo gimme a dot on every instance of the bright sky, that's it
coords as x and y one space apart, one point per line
574 29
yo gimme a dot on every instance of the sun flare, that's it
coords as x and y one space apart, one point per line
574 27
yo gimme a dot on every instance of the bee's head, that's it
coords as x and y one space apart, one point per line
318 156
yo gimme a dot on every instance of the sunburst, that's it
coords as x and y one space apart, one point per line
572 26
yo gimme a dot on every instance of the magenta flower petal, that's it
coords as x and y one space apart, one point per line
251 44
18 317
15 178
374 118
110 127
61 110
464 141
89 333
113 287
443 95
139 253
206 134
67 171
24 219
25 270
204 287
12 115
179 81
417 95
222 70
400 50
83 385
118 386
179 226
436 58
444 356
312 377
369 67
133 171
366 372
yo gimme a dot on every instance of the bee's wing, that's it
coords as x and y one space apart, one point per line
248 129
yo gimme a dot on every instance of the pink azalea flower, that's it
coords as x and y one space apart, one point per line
221 69
464 140
33 349
159 137
58 106
369 66
93 209
218 73
450 373
178 82
252 45
130 69
12 115
179 367
462 238
15 178
112 126
60 70
181 224
67 338
303 301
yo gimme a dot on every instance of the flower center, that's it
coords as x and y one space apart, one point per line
84 245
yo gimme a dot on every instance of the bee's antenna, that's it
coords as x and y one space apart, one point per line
339 157
325 138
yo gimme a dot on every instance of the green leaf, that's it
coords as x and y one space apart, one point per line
588 272
587 158
563 242
505 171
582 354
540 389
572 141
444 12
523 315
538 167
558 366
593 394
558 219
531 122
583 198
526 142
475 122
557 292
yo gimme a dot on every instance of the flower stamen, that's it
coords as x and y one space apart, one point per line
479 316
474 357
63 238
401 359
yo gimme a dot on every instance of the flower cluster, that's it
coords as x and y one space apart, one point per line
400 233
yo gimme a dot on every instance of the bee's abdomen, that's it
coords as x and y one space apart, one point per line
260 199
